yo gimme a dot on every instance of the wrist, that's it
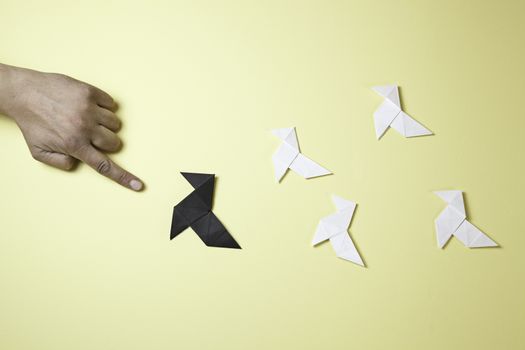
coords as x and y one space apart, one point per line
7 93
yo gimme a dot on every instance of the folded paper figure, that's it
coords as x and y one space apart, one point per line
288 156
389 114
334 227
195 211
452 222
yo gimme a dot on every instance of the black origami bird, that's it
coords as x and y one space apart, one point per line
195 211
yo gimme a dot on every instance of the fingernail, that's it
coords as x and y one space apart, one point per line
135 185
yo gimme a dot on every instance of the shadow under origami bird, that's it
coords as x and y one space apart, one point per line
195 211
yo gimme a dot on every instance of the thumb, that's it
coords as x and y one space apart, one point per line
58 160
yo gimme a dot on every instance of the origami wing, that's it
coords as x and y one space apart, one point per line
282 159
472 237
447 223
212 232
307 168
286 153
408 126
384 116
328 227
345 249
189 210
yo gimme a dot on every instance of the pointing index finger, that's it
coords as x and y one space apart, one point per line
105 166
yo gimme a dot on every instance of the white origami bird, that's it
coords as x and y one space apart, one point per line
389 114
452 221
334 227
288 156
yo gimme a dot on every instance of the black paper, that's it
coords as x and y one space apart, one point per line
195 211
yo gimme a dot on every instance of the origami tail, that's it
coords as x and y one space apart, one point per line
178 224
213 233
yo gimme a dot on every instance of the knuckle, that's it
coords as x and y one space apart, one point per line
86 90
116 144
72 143
84 106
91 93
82 122
104 167
85 94
84 109
123 178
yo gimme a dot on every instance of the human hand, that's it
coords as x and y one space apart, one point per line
64 120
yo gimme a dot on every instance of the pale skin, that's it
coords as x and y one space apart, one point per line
64 121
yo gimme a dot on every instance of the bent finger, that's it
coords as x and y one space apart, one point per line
104 100
105 139
108 119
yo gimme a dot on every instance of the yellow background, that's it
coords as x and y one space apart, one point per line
86 264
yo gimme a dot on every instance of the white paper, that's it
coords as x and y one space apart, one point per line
288 156
452 221
389 114
334 227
